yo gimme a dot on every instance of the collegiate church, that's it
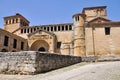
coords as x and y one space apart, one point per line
90 34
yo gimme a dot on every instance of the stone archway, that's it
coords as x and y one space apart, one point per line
40 45
4 50
13 50
42 49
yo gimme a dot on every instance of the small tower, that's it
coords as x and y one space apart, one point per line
79 34
11 23
94 12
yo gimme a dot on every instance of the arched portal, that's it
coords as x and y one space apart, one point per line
42 49
4 50
40 45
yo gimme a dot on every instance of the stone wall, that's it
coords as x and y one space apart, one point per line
17 62
31 62
103 44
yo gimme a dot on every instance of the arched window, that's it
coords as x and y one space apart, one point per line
47 28
31 30
9 21
13 21
34 29
24 30
16 20
66 27
51 28
13 50
6 41
58 28
62 28
44 28
21 30
77 18
14 43
37 28
70 27
6 22
55 28
28 30
22 45
41 27
4 50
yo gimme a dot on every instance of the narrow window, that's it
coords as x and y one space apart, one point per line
62 28
44 28
6 22
24 30
70 27
31 30
66 27
34 29
55 28
28 30
22 45
41 28
22 23
78 18
37 28
75 18
16 20
47 28
13 21
21 30
51 28
58 45
9 21
15 43
58 28
107 31
6 40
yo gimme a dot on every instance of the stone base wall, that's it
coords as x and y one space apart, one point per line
17 62
31 62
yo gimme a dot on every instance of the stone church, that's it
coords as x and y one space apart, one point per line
90 34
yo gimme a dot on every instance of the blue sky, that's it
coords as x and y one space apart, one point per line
40 12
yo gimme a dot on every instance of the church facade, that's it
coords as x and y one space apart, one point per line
90 34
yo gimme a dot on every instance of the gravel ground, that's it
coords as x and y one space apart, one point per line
81 71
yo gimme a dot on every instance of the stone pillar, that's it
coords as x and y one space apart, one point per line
79 34
53 28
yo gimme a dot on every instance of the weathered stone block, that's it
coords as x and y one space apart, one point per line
31 62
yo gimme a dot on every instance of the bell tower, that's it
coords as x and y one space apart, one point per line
94 12
79 34
11 23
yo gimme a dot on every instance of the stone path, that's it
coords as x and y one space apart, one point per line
91 71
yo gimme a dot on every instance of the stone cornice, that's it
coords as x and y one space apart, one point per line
107 24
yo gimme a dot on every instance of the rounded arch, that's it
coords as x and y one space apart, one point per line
40 45
4 50
42 49
13 50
